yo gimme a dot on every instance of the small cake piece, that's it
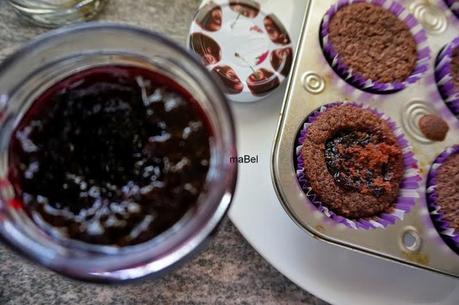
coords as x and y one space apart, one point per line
448 191
373 42
433 127
354 162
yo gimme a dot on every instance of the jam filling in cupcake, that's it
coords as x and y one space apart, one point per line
354 163
358 161
113 155
373 42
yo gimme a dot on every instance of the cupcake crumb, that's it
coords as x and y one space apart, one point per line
433 127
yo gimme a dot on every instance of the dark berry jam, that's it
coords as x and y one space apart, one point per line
112 155
360 161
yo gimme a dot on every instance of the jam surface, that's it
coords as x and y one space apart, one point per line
359 161
112 155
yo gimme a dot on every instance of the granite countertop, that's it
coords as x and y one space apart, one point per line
229 271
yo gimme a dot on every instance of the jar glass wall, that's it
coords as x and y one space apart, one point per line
53 13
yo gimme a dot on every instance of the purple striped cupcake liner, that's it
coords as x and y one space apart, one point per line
408 186
449 235
356 79
444 78
454 6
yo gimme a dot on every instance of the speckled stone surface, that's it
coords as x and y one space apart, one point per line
228 271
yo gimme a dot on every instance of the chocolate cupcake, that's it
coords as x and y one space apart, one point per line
360 171
443 195
375 45
454 6
447 75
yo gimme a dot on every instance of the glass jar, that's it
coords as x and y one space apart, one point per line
53 13
54 56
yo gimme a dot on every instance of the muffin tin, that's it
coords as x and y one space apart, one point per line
413 239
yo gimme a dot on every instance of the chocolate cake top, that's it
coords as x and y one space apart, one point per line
354 163
448 190
373 42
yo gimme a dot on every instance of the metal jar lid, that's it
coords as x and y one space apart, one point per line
247 49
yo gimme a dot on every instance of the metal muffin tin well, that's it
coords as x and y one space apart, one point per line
414 240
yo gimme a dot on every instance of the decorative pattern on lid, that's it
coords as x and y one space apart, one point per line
248 50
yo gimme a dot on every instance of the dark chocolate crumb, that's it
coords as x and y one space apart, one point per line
433 127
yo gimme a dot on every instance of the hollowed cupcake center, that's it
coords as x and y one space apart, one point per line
360 161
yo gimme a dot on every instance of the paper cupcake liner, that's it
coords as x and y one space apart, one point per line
408 186
450 235
444 78
454 6
357 79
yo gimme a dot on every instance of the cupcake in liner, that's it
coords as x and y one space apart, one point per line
454 6
449 234
357 79
408 193
449 90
